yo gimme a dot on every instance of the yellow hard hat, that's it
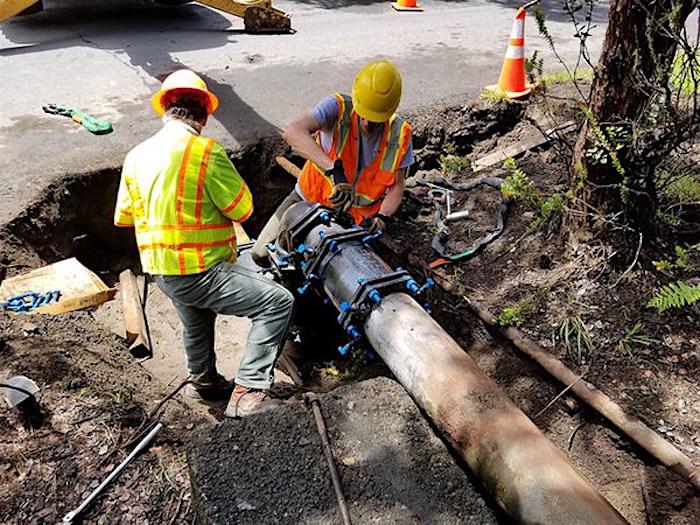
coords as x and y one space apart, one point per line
376 91
186 80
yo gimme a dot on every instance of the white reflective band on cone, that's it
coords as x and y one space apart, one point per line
515 52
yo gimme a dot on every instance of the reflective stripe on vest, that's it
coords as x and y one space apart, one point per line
375 179
179 231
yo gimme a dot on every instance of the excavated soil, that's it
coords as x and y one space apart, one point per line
270 468
94 395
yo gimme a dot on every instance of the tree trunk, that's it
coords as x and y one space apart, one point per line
633 70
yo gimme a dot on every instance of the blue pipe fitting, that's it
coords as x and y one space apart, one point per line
343 350
354 332
332 246
302 249
427 284
325 217
304 287
375 296
427 308
412 286
272 246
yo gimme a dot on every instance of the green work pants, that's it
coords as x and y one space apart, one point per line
231 289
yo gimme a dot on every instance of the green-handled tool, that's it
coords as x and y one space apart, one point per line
90 123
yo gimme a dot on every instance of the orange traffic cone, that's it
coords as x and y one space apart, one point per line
512 81
406 5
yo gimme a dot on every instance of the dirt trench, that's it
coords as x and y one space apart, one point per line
78 361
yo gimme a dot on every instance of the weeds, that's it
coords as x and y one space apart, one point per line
517 314
576 338
682 261
632 338
519 186
675 295
454 164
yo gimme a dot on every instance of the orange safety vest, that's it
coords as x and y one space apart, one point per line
181 194
370 186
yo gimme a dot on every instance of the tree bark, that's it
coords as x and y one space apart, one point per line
638 52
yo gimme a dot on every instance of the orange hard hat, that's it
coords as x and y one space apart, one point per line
186 80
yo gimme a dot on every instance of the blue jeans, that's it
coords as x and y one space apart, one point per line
231 289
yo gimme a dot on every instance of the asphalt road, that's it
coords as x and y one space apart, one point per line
106 58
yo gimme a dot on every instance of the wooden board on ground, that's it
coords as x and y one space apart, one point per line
521 147
80 288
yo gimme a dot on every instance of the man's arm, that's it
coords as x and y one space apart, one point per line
394 195
226 188
299 135
123 213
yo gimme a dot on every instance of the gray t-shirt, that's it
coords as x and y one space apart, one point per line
326 113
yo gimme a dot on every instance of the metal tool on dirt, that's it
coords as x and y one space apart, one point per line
314 403
17 390
71 517
90 123
527 475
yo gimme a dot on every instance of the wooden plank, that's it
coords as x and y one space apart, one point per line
520 147
134 316
80 288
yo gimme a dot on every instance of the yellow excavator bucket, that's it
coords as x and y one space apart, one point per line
10 8
258 15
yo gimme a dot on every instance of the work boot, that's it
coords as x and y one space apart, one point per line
247 401
208 386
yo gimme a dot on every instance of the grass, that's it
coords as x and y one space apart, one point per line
634 338
576 338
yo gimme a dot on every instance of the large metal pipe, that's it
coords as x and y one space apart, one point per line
527 475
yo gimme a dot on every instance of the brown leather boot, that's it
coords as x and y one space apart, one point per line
208 386
247 401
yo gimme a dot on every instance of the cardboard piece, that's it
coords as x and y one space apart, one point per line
80 288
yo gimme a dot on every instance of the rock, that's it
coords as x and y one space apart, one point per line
29 328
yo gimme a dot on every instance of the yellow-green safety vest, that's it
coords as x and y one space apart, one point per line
181 192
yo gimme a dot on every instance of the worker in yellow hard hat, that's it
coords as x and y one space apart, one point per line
181 194
358 160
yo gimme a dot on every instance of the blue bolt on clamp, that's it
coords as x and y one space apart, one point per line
304 288
271 246
333 246
375 296
343 350
354 332
302 249
412 286
325 217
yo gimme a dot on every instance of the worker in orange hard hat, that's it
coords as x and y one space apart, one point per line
181 194
358 160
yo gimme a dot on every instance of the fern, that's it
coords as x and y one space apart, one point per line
675 295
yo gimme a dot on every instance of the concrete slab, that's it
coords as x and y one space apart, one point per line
270 468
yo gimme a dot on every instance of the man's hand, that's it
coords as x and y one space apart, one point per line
337 173
374 224
340 198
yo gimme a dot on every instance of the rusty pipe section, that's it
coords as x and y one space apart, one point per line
528 476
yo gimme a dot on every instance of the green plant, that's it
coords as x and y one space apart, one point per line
682 261
493 95
685 188
516 314
576 338
519 186
685 72
634 337
675 295
511 316
454 164
533 67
